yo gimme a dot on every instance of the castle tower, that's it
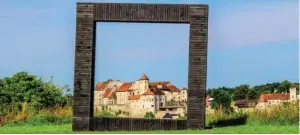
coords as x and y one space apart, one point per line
143 83
183 93
293 93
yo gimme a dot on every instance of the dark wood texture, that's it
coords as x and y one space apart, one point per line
90 13
137 124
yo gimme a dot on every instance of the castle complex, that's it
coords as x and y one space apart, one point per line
139 97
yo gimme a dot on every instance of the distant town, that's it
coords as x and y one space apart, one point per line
135 99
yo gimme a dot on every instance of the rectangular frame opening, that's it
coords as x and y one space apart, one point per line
90 13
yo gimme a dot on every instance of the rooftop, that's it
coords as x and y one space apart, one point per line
274 96
144 77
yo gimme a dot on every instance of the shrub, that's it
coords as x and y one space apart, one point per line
118 113
104 114
149 115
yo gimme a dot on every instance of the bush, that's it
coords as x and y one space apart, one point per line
104 114
118 113
149 115
24 95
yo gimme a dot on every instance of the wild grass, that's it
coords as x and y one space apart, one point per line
56 115
277 119
285 114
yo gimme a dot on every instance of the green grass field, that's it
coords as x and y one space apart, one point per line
67 128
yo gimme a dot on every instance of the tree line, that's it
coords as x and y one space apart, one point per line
23 87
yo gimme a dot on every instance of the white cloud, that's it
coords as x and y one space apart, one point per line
255 24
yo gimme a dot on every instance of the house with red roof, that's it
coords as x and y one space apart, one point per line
102 89
268 100
122 93
152 99
98 93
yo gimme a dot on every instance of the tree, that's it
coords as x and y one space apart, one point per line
252 94
284 86
241 92
208 92
222 99
23 87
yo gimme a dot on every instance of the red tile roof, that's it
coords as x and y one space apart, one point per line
100 86
112 95
276 96
246 103
173 88
144 77
149 92
107 93
159 83
124 87
163 85
134 97
207 98
153 91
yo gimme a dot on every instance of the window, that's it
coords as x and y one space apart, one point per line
152 105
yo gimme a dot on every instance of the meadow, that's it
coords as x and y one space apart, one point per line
280 119
67 129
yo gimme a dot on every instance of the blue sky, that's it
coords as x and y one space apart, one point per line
251 42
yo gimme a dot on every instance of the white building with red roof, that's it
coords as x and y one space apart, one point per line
268 100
